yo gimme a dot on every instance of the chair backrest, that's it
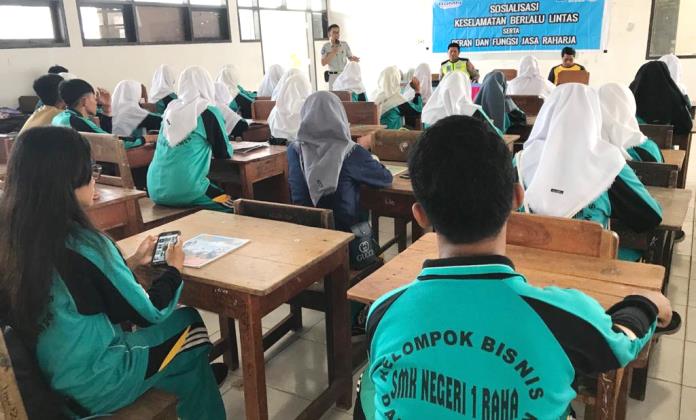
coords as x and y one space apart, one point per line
362 112
109 149
562 235
300 215
530 104
394 145
263 98
27 104
6 143
660 134
11 403
261 109
509 73
655 174
580 76
343 95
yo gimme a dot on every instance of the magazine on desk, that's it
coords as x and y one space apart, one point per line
247 146
204 249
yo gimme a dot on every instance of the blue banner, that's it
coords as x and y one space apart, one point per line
499 25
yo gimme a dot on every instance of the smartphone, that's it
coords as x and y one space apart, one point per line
159 255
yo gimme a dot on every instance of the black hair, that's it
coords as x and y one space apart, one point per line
463 177
46 87
73 90
455 45
333 25
39 210
568 51
57 69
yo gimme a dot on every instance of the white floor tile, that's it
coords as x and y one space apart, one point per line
688 404
281 405
689 375
300 369
662 402
666 360
678 290
681 265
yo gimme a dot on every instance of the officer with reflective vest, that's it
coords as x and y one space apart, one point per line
455 63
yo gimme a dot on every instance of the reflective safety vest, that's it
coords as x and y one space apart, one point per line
459 65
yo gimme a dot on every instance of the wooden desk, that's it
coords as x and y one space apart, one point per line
674 157
356 130
675 205
117 207
281 260
531 119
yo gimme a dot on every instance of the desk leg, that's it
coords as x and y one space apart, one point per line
375 225
247 184
401 233
134 221
251 337
416 231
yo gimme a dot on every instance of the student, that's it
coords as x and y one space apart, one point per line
470 337
568 64
424 76
326 168
456 63
192 134
293 72
163 88
569 170
675 70
495 103
241 98
57 69
393 107
453 97
658 98
46 87
620 126
529 80
130 119
235 126
270 79
66 289
284 119
350 79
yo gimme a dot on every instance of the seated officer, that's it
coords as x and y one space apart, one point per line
469 337
568 64
456 63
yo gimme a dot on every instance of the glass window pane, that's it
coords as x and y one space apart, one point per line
319 24
248 25
270 4
245 3
162 1
26 22
161 24
207 24
297 4
102 23
318 5
209 2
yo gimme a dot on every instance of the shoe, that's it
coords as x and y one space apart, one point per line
679 236
672 328
220 372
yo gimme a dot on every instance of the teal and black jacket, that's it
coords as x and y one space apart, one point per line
161 105
75 120
648 151
471 339
394 118
242 102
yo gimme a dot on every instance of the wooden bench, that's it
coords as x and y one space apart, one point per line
362 112
509 73
655 174
662 135
394 145
530 104
261 109
343 95
580 76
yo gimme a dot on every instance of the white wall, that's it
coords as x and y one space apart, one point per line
106 66
394 32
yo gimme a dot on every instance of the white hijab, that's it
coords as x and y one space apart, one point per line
350 79
126 108
222 101
279 86
270 80
229 76
619 123
529 80
425 78
325 141
675 69
565 164
284 120
196 94
451 97
388 93
163 83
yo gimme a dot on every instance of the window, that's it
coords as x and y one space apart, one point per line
31 23
672 29
249 23
114 22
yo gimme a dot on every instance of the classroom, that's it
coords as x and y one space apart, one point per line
266 209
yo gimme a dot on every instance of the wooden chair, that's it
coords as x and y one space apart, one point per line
263 98
660 134
27 104
343 95
684 143
394 145
6 143
655 174
257 132
362 112
509 73
530 104
260 110
580 76
154 404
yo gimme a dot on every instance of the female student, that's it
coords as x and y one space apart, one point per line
493 99
235 126
163 89
350 79
66 289
675 70
270 80
193 132
620 126
130 119
453 97
291 92
569 170
529 80
326 168
392 105
658 98
425 78
241 98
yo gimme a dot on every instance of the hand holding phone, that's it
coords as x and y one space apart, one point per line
164 241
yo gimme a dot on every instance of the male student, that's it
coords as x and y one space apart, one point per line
456 63
568 64
57 69
469 337
336 54
46 87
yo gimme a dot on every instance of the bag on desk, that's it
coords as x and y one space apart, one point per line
362 249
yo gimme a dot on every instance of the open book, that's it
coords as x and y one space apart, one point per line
247 146
204 249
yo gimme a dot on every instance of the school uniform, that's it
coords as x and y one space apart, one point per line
41 117
71 118
129 118
163 89
424 76
235 126
393 106
529 80
241 100
675 71
497 105
270 80
350 79
290 94
556 70
161 105
86 356
470 338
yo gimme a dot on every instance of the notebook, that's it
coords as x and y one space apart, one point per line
247 146
204 249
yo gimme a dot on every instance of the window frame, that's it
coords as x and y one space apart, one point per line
131 22
60 39
650 31
256 10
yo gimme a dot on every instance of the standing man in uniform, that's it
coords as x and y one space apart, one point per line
455 63
335 54
568 64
